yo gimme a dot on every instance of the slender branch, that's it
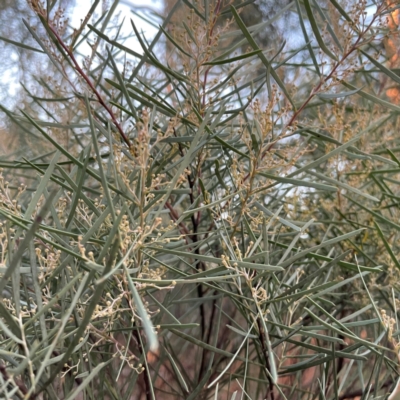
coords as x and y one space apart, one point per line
316 90
216 12
22 388
43 16
145 373
263 340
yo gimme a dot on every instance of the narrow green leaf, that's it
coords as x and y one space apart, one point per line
154 61
104 180
88 379
81 177
25 242
341 10
145 319
173 41
300 182
315 29
374 99
264 59
328 25
90 308
19 44
115 43
233 59
323 244
329 96
177 372
214 260
78 32
387 245
383 69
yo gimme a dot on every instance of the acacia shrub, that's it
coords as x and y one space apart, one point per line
182 225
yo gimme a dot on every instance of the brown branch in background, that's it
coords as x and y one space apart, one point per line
43 16
315 91
216 12
360 392
175 217
201 266
263 341
22 388
146 372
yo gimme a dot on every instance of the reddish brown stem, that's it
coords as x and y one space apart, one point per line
216 11
175 217
315 91
82 73
21 386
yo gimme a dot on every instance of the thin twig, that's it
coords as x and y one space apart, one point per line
43 16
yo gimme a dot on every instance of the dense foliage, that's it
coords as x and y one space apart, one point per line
199 217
